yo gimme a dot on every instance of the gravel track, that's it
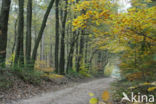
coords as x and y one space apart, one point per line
77 94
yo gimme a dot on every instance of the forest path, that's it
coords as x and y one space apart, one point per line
77 94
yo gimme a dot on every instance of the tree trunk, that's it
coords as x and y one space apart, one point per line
15 38
56 35
42 53
80 51
19 57
91 58
105 59
4 17
41 31
86 51
51 56
62 53
28 34
77 52
71 52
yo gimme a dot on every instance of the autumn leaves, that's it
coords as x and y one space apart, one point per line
92 12
105 97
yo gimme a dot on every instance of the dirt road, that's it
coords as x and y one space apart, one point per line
77 94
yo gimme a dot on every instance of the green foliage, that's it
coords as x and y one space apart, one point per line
135 87
73 73
5 81
84 70
85 73
29 76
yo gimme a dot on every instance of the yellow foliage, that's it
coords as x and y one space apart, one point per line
93 101
140 3
151 89
125 27
95 11
134 76
146 83
91 94
42 66
120 32
47 69
134 23
132 87
53 76
71 1
11 59
105 96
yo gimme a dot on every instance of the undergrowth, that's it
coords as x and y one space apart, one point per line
9 76
5 80
29 76
144 88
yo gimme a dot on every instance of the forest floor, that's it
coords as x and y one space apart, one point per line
74 93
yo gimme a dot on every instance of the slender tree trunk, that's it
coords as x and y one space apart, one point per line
15 38
86 52
91 58
42 48
4 17
42 58
143 49
56 35
62 53
19 57
71 52
51 56
105 59
46 59
28 34
40 52
34 54
77 52
80 51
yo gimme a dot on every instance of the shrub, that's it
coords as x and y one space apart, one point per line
29 76
5 81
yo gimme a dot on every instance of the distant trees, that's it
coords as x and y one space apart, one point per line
34 54
130 35
71 45
68 47
4 17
